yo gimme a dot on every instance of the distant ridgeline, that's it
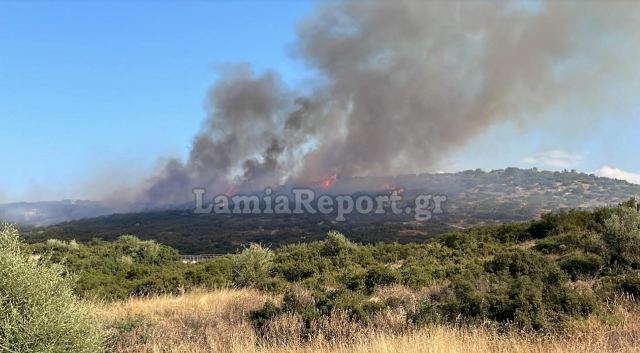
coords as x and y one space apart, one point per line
474 198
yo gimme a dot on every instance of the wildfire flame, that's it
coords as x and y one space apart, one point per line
329 182
391 188
231 190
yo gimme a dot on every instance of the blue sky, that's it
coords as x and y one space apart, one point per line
85 86
94 93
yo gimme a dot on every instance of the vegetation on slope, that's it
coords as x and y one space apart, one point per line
474 198
537 275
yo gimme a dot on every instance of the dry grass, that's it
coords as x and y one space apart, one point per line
217 322
196 322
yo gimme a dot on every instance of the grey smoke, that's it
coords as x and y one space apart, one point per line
399 85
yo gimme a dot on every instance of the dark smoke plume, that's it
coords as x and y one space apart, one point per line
399 86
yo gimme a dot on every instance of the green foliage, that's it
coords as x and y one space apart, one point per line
298 262
516 263
513 274
354 303
579 264
251 268
628 283
261 317
336 244
521 301
622 235
632 203
427 313
130 266
380 276
38 311
147 252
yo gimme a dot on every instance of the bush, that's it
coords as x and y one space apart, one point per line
622 235
629 284
133 329
336 244
462 299
298 300
251 268
38 311
570 302
380 276
517 263
297 262
426 313
578 264
354 304
575 240
259 318
146 251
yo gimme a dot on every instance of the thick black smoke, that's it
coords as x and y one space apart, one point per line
400 85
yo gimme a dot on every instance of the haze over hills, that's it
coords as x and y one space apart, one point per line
474 198
51 212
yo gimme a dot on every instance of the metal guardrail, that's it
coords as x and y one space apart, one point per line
198 258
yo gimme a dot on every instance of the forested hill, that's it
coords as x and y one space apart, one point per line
474 198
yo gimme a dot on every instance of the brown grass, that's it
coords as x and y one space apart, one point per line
217 322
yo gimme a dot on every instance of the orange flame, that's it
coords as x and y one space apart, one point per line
231 190
329 182
391 188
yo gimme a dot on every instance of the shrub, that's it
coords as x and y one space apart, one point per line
570 302
297 262
521 303
517 263
629 284
354 304
251 268
298 300
259 318
146 251
577 264
355 280
462 299
336 244
61 244
380 276
426 313
622 235
575 240
38 311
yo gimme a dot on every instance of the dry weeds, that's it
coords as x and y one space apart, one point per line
217 322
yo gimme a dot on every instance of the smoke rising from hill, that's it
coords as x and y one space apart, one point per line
399 85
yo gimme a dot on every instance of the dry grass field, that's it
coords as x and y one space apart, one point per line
217 322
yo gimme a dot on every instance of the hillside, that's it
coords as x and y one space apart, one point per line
474 198
539 276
